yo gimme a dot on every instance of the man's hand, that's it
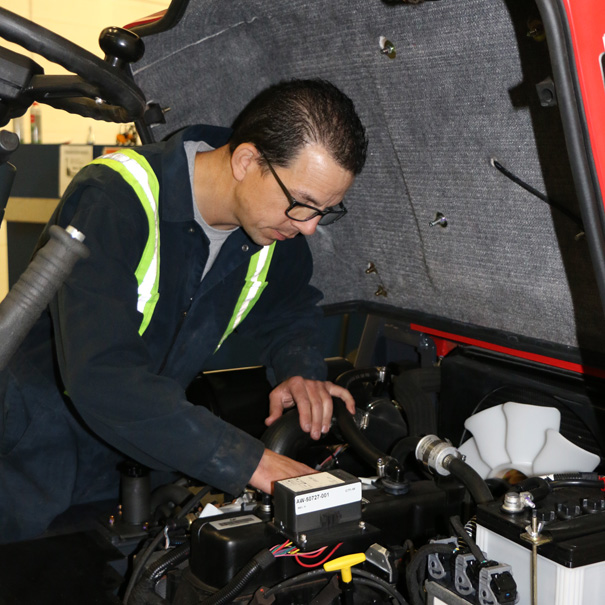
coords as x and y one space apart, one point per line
313 399
274 467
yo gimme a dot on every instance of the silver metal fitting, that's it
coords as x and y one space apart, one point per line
433 453
515 502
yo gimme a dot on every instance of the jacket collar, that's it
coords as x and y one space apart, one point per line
176 202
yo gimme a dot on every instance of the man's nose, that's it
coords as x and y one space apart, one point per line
308 227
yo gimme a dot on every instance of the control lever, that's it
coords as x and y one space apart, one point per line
9 142
37 286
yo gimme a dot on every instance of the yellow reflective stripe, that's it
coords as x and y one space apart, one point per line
255 283
137 172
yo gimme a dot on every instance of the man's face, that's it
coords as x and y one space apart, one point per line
312 178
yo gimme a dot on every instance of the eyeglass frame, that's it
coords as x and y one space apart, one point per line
339 209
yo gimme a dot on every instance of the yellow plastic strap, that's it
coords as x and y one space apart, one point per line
344 564
137 172
255 283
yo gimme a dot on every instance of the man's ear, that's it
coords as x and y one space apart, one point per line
243 160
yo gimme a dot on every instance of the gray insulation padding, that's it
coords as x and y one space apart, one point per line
460 91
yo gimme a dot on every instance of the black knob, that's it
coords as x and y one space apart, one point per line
121 46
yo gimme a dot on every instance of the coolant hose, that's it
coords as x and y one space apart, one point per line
37 286
227 594
469 477
285 436
351 432
167 495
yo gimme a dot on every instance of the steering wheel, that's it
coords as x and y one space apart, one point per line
102 89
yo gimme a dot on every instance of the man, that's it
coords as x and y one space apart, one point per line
189 240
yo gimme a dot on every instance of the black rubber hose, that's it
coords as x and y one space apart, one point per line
414 574
166 494
537 486
351 432
354 437
242 578
469 477
462 533
37 286
285 436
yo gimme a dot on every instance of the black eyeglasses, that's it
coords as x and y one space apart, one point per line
298 211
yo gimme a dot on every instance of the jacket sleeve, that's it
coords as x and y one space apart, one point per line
286 320
104 363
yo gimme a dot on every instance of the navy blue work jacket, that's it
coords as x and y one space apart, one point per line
130 390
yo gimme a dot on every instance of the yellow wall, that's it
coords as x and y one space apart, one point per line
81 22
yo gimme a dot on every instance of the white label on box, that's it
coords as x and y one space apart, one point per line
327 498
307 482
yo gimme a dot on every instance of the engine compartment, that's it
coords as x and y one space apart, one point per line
418 515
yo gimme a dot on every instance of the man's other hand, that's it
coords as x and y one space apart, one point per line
313 398
274 467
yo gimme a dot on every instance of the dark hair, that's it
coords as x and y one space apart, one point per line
285 117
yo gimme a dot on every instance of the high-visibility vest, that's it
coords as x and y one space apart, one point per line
136 171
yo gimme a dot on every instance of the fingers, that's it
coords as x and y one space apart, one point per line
342 393
314 401
279 399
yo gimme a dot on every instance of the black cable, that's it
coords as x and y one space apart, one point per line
242 578
144 557
365 577
462 533
303 577
414 574
575 483
515 179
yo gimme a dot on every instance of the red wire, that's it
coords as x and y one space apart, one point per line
318 563
312 554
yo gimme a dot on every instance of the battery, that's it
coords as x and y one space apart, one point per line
317 502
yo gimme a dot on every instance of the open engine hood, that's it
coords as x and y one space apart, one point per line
448 92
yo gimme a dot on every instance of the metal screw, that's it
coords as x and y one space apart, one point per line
387 48
362 525
303 538
439 220
111 520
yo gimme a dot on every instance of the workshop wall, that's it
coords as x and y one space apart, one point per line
80 21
